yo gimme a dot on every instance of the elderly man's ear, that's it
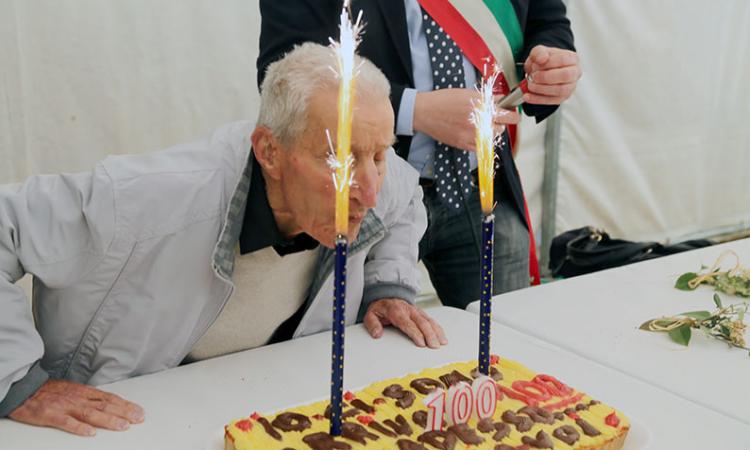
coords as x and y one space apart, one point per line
268 151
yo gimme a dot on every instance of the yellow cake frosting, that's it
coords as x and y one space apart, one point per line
560 418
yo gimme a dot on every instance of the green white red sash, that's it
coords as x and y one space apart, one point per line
489 34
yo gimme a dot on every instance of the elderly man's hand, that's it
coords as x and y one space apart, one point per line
77 409
412 321
445 115
554 74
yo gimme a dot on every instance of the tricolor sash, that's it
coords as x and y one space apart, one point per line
486 31
489 35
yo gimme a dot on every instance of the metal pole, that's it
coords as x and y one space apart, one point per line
549 186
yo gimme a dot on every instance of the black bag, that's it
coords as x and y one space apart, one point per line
590 249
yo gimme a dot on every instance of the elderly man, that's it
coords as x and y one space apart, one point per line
204 249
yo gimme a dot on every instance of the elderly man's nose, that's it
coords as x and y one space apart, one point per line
366 185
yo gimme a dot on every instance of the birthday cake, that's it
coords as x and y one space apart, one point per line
451 407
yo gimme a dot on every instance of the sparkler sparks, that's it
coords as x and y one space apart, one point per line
347 73
485 138
335 165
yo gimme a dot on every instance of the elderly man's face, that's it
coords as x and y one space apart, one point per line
304 175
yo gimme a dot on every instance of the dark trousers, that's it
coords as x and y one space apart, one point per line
451 247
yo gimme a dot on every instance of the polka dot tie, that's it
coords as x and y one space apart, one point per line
452 171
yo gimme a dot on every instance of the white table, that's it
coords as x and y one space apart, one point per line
597 316
187 407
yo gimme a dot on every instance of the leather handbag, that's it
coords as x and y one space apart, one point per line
589 249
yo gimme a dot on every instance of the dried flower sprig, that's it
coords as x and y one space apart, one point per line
735 281
726 324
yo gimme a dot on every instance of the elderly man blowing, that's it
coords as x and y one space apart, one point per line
204 249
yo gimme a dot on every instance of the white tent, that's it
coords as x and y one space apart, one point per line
651 146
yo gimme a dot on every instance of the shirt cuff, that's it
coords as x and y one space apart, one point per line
405 120
23 389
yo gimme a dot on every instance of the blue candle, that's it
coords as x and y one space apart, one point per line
337 351
485 305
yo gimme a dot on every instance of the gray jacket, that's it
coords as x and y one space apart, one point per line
133 261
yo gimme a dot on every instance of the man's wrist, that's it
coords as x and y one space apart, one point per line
24 388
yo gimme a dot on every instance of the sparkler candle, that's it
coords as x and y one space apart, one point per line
342 176
485 139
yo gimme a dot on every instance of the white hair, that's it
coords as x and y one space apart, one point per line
290 82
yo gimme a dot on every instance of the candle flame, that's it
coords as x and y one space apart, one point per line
347 72
485 139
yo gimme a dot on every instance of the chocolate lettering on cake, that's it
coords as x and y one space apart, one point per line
351 412
400 426
324 441
455 377
502 430
522 423
486 425
406 444
269 429
441 440
362 406
587 428
582 407
542 440
425 385
290 421
407 400
377 426
404 398
494 373
538 415
357 433
394 391
420 418
567 434
559 416
466 434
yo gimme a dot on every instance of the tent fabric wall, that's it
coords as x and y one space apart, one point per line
653 143
85 78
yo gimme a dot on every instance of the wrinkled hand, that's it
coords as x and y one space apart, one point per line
412 321
445 115
554 74
77 409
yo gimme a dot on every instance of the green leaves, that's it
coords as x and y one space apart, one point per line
725 324
683 283
717 300
735 281
732 284
681 334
